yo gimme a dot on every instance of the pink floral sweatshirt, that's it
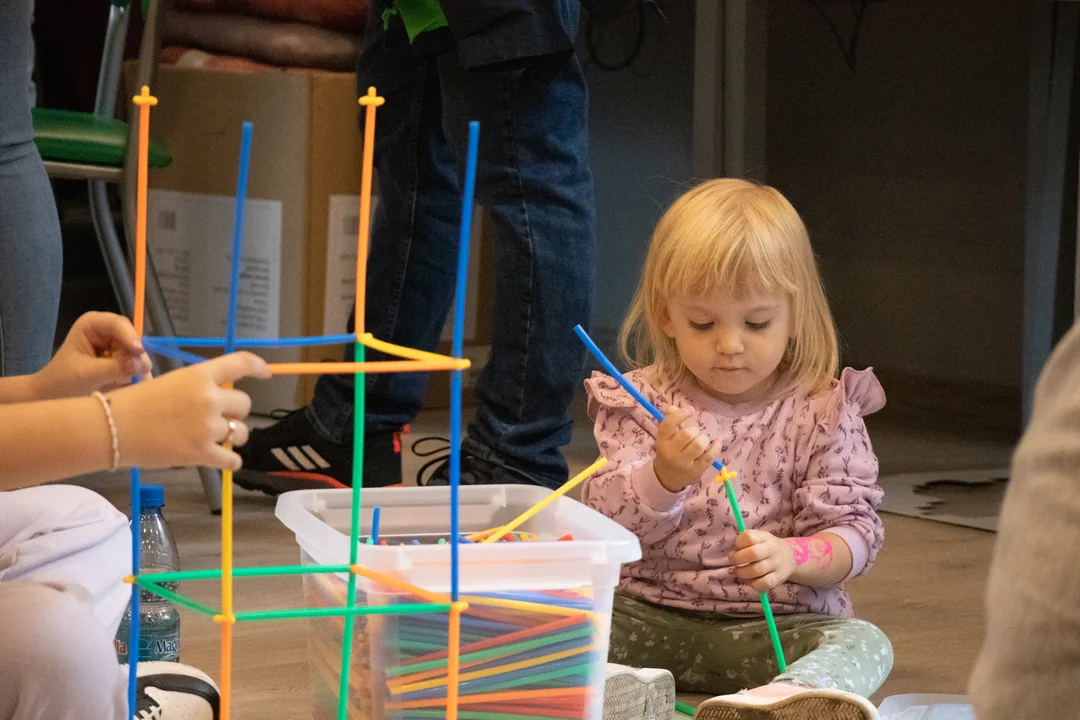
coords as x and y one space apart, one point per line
804 465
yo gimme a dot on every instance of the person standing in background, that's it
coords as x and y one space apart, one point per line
511 65
31 254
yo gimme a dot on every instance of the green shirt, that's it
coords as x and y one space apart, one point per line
419 16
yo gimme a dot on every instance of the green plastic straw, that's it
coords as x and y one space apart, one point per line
766 607
354 528
684 709
580 669
420 646
246 572
499 651
153 587
348 612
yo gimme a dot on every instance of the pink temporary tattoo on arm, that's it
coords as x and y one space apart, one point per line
814 549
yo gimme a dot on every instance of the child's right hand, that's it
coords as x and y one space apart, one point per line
182 417
683 452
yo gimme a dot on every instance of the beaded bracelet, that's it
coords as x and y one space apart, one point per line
112 430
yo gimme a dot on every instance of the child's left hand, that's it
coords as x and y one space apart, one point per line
101 352
762 560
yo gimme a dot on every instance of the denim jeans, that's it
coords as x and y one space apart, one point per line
30 251
533 176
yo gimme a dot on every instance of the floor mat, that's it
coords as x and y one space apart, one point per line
971 498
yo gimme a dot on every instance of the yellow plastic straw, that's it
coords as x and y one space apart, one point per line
526 606
352 368
401 351
567 487
226 586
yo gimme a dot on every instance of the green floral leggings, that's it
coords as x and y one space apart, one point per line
717 655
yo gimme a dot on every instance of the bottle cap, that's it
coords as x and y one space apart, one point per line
151 496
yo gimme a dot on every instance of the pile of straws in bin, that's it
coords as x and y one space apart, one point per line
523 654
500 534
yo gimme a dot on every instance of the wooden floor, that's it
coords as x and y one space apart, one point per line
926 591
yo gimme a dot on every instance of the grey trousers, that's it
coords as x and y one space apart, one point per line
1029 667
31 254
63 554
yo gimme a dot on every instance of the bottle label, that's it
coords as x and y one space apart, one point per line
165 648
151 647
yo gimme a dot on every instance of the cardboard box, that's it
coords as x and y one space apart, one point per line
303 198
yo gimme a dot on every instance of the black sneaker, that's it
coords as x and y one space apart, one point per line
292 455
474 470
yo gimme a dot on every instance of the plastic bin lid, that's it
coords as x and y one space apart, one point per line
596 537
926 707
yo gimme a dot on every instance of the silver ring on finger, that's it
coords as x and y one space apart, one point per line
229 436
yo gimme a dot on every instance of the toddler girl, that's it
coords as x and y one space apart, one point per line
734 341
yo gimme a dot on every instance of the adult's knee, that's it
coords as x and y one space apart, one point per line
56 658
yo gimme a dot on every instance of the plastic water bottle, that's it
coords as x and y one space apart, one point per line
159 632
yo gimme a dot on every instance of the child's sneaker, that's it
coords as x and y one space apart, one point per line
633 694
781 701
171 691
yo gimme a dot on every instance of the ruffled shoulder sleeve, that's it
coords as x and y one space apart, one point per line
862 390
857 392
604 391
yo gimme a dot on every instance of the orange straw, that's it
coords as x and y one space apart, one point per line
144 100
369 102
347 368
492 697
401 585
453 646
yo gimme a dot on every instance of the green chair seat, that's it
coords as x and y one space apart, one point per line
86 139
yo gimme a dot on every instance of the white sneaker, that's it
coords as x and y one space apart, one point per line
781 701
171 691
638 694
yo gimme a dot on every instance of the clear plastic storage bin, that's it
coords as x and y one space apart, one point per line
534 640
926 707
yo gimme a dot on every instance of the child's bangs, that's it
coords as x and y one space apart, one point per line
740 261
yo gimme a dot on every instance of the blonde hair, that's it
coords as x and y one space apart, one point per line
747 239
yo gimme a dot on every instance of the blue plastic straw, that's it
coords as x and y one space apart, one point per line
211 342
732 500
469 622
613 371
238 233
376 514
158 347
459 335
136 568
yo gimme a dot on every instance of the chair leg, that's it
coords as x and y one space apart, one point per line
112 249
211 484
158 313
